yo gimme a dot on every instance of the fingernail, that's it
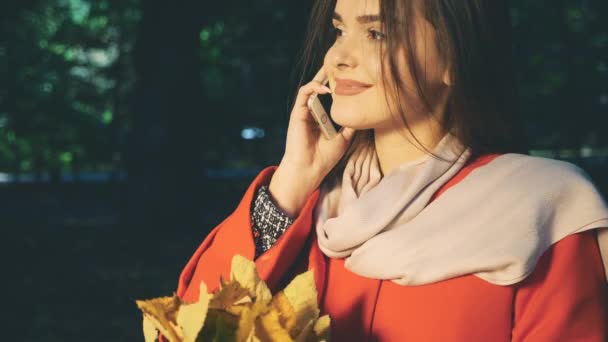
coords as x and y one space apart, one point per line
327 88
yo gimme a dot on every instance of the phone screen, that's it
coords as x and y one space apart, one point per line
326 101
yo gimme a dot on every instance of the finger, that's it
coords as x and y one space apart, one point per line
348 133
321 75
307 90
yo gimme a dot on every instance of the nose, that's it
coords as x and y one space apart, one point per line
342 55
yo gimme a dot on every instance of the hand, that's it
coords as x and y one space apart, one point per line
307 152
308 156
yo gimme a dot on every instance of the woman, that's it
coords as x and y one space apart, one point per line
424 219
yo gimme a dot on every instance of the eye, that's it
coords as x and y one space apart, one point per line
337 32
376 35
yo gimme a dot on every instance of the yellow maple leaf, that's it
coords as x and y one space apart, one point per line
307 334
230 294
191 317
150 331
268 328
242 310
315 330
220 325
287 314
322 328
247 318
161 312
302 295
245 273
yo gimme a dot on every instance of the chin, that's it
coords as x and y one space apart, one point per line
351 115
350 122
342 117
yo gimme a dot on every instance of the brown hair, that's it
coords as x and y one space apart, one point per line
473 37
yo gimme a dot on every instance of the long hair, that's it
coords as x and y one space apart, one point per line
473 37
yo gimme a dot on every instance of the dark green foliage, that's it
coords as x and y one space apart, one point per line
67 78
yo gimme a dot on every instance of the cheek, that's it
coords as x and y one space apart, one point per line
373 64
328 61
326 57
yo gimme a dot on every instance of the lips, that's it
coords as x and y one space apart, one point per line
350 87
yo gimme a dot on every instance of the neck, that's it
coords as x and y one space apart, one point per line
395 147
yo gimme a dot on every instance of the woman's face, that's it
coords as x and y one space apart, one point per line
355 55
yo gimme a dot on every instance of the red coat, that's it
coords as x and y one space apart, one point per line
564 299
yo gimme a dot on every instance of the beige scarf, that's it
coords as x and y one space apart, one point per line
495 223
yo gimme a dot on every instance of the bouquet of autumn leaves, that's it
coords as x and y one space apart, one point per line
241 310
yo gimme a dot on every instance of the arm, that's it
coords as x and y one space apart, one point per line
269 222
234 235
565 298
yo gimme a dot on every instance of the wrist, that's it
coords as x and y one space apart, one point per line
289 192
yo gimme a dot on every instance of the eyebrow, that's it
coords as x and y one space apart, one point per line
362 19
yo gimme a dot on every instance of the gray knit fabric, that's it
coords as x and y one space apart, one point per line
269 222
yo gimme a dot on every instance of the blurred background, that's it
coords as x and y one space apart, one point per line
129 129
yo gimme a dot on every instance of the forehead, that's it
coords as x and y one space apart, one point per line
350 9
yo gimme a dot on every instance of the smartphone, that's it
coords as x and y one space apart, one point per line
320 106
